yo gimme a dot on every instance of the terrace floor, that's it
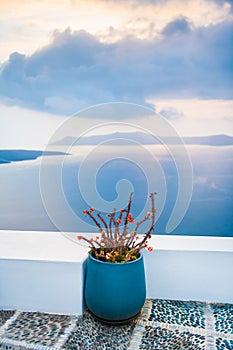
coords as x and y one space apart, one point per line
162 324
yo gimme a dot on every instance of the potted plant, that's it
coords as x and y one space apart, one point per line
115 288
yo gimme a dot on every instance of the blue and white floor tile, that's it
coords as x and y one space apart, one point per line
162 324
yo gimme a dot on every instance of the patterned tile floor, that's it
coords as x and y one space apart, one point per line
162 324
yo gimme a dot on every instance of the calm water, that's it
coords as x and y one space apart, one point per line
209 213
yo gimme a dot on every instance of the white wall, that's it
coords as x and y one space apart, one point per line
190 275
41 286
44 271
41 271
190 268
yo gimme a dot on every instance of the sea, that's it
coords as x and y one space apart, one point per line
48 192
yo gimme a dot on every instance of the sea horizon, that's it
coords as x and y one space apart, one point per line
208 214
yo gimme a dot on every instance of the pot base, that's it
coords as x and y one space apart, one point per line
114 322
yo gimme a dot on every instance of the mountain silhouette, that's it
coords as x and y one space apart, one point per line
17 155
146 139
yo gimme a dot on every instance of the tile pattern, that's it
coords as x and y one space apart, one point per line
223 315
185 325
223 344
171 325
9 347
5 315
93 335
190 314
162 338
36 330
162 324
223 326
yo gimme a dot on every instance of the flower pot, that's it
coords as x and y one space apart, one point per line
115 292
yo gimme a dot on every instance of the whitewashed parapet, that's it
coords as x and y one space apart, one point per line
45 271
41 271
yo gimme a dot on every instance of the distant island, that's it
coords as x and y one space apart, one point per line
17 155
146 139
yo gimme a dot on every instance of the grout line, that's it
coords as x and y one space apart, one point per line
140 326
135 341
210 333
63 338
179 327
25 345
8 323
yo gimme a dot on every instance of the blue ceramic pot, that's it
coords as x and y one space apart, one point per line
115 293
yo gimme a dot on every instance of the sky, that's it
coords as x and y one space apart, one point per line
58 57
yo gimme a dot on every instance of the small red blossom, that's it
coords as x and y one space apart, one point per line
111 244
130 219
85 211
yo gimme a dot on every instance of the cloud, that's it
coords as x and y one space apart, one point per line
171 113
200 180
140 3
222 2
23 128
153 2
77 70
178 26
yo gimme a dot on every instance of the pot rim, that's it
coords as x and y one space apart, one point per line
116 264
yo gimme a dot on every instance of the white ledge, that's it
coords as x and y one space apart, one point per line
45 271
193 243
41 271
184 243
43 246
57 246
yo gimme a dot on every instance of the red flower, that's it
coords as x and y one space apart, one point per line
85 211
79 237
130 219
150 249
92 209
119 221
122 211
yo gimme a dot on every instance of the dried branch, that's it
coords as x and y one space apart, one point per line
148 233
127 214
117 247
104 222
93 218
